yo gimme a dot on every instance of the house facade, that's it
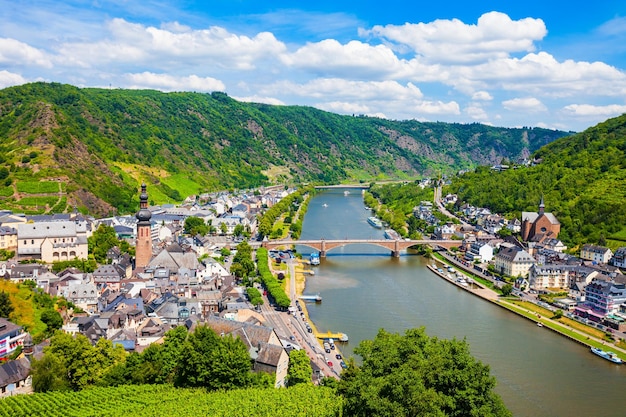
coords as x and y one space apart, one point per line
513 261
548 276
605 296
596 253
52 241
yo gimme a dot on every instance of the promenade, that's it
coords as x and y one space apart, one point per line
562 329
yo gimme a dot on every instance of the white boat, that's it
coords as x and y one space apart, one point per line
324 205
375 222
539 324
346 192
609 356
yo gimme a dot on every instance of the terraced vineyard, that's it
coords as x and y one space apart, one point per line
164 400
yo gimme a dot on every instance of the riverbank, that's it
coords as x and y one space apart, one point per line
544 322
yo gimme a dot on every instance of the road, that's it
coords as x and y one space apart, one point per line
288 325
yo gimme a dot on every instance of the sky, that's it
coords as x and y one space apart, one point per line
554 64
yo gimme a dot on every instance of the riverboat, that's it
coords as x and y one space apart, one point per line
391 234
375 222
314 259
324 205
317 298
609 356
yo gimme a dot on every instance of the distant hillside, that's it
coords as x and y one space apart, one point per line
93 147
582 179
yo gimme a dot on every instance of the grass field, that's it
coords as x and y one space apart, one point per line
37 187
37 201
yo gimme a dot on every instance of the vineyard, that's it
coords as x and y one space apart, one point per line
164 400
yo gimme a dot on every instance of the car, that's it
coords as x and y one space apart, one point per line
330 364
292 338
343 364
338 356
308 329
327 350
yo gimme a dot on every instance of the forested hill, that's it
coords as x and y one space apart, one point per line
582 179
101 144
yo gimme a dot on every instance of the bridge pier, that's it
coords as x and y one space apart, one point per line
395 253
322 254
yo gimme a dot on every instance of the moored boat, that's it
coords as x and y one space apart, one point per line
375 222
609 356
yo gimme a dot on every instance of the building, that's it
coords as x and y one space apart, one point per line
479 251
513 261
595 253
536 223
548 276
619 257
143 248
52 241
605 296
11 337
8 238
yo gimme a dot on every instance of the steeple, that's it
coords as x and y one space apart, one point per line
143 247
143 215
541 206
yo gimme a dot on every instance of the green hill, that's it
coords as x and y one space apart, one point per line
63 147
582 179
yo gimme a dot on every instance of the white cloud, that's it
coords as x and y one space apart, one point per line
611 110
494 36
353 59
166 82
261 99
482 96
8 79
14 52
173 46
476 112
528 104
346 108
347 89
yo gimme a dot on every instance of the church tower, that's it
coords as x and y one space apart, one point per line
143 248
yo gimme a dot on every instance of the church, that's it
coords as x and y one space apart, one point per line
539 225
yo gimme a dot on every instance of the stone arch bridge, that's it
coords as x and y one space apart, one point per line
395 246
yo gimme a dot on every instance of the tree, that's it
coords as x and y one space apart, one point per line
6 307
52 319
223 228
213 362
49 374
300 370
507 289
239 229
196 226
415 375
103 239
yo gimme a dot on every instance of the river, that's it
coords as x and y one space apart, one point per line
364 289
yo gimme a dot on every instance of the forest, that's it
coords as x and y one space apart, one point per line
101 144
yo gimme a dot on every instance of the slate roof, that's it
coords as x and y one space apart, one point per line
14 371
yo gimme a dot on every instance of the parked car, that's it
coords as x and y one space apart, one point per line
338 356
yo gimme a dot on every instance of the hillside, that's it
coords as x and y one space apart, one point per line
63 147
582 179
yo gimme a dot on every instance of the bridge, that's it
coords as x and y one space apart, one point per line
395 246
347 186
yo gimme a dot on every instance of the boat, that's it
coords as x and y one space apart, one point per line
346 192
539 324
317 298
391 234
324 205
314 259
375 222
609 356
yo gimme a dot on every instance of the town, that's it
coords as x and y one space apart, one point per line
178 279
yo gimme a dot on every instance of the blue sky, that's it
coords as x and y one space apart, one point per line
535 63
